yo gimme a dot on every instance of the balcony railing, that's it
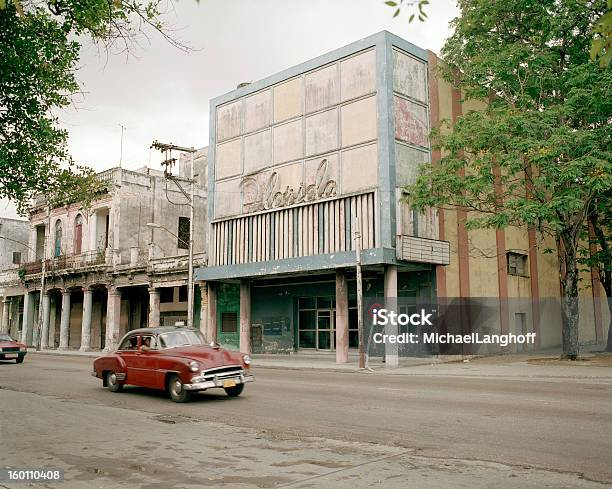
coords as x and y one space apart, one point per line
67 262
114 258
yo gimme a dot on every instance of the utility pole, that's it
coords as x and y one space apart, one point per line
42 280
121 146
168 163
357 238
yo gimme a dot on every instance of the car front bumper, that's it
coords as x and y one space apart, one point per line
11 355
209 382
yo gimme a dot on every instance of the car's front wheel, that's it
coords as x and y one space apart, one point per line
234 391
112 383
20 359
177 390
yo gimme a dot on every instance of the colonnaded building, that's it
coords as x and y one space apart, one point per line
300 161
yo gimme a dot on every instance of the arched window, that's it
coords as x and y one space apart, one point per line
58 238
78 234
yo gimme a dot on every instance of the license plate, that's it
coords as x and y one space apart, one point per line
9 356
229 383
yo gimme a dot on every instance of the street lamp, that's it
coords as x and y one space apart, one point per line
189 244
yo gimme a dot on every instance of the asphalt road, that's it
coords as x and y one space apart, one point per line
560 427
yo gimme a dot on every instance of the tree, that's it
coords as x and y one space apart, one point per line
539 154
601 43
39 52
598 255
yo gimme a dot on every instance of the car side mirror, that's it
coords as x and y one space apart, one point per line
214 344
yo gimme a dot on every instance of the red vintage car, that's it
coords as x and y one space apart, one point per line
174 359
11 349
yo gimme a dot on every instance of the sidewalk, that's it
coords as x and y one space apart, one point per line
595 368
296 361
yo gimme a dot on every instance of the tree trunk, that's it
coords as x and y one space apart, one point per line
609 345
569 301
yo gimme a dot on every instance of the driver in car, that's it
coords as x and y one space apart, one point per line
146 345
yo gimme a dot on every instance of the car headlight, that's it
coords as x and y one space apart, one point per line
246 359
23 348
194 366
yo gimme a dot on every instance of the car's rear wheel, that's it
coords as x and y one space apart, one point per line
112 383
234 391
177 390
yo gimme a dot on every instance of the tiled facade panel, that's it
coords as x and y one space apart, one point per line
411 122
358 121
257 151
409 76
288 142
322 88
359 169
317 173
358 75
258 111
227 200
288 100
229 118
229 158
407 161
322 132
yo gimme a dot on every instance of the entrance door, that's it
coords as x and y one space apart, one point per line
228 315
316 323
325 329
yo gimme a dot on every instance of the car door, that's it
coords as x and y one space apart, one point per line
144 365
127 351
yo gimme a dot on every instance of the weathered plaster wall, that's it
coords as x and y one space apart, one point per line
17 230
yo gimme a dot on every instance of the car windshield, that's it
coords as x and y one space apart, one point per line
181 338
5 337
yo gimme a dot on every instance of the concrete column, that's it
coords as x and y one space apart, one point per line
203 307
52 321
211 331
153 307
6 313
390 291
342 336
65 321
93 227
86 323
28 318
245 316
113 318
44 334
32 243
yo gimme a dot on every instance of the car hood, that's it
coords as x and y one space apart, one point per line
209 357
4 344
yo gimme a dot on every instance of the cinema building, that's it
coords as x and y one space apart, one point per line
303 160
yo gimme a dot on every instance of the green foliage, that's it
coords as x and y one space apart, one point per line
418 4
601 47
39 55
539 153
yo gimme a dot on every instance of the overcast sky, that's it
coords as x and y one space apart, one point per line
160 92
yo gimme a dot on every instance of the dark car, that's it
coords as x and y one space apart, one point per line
174 359
11 349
